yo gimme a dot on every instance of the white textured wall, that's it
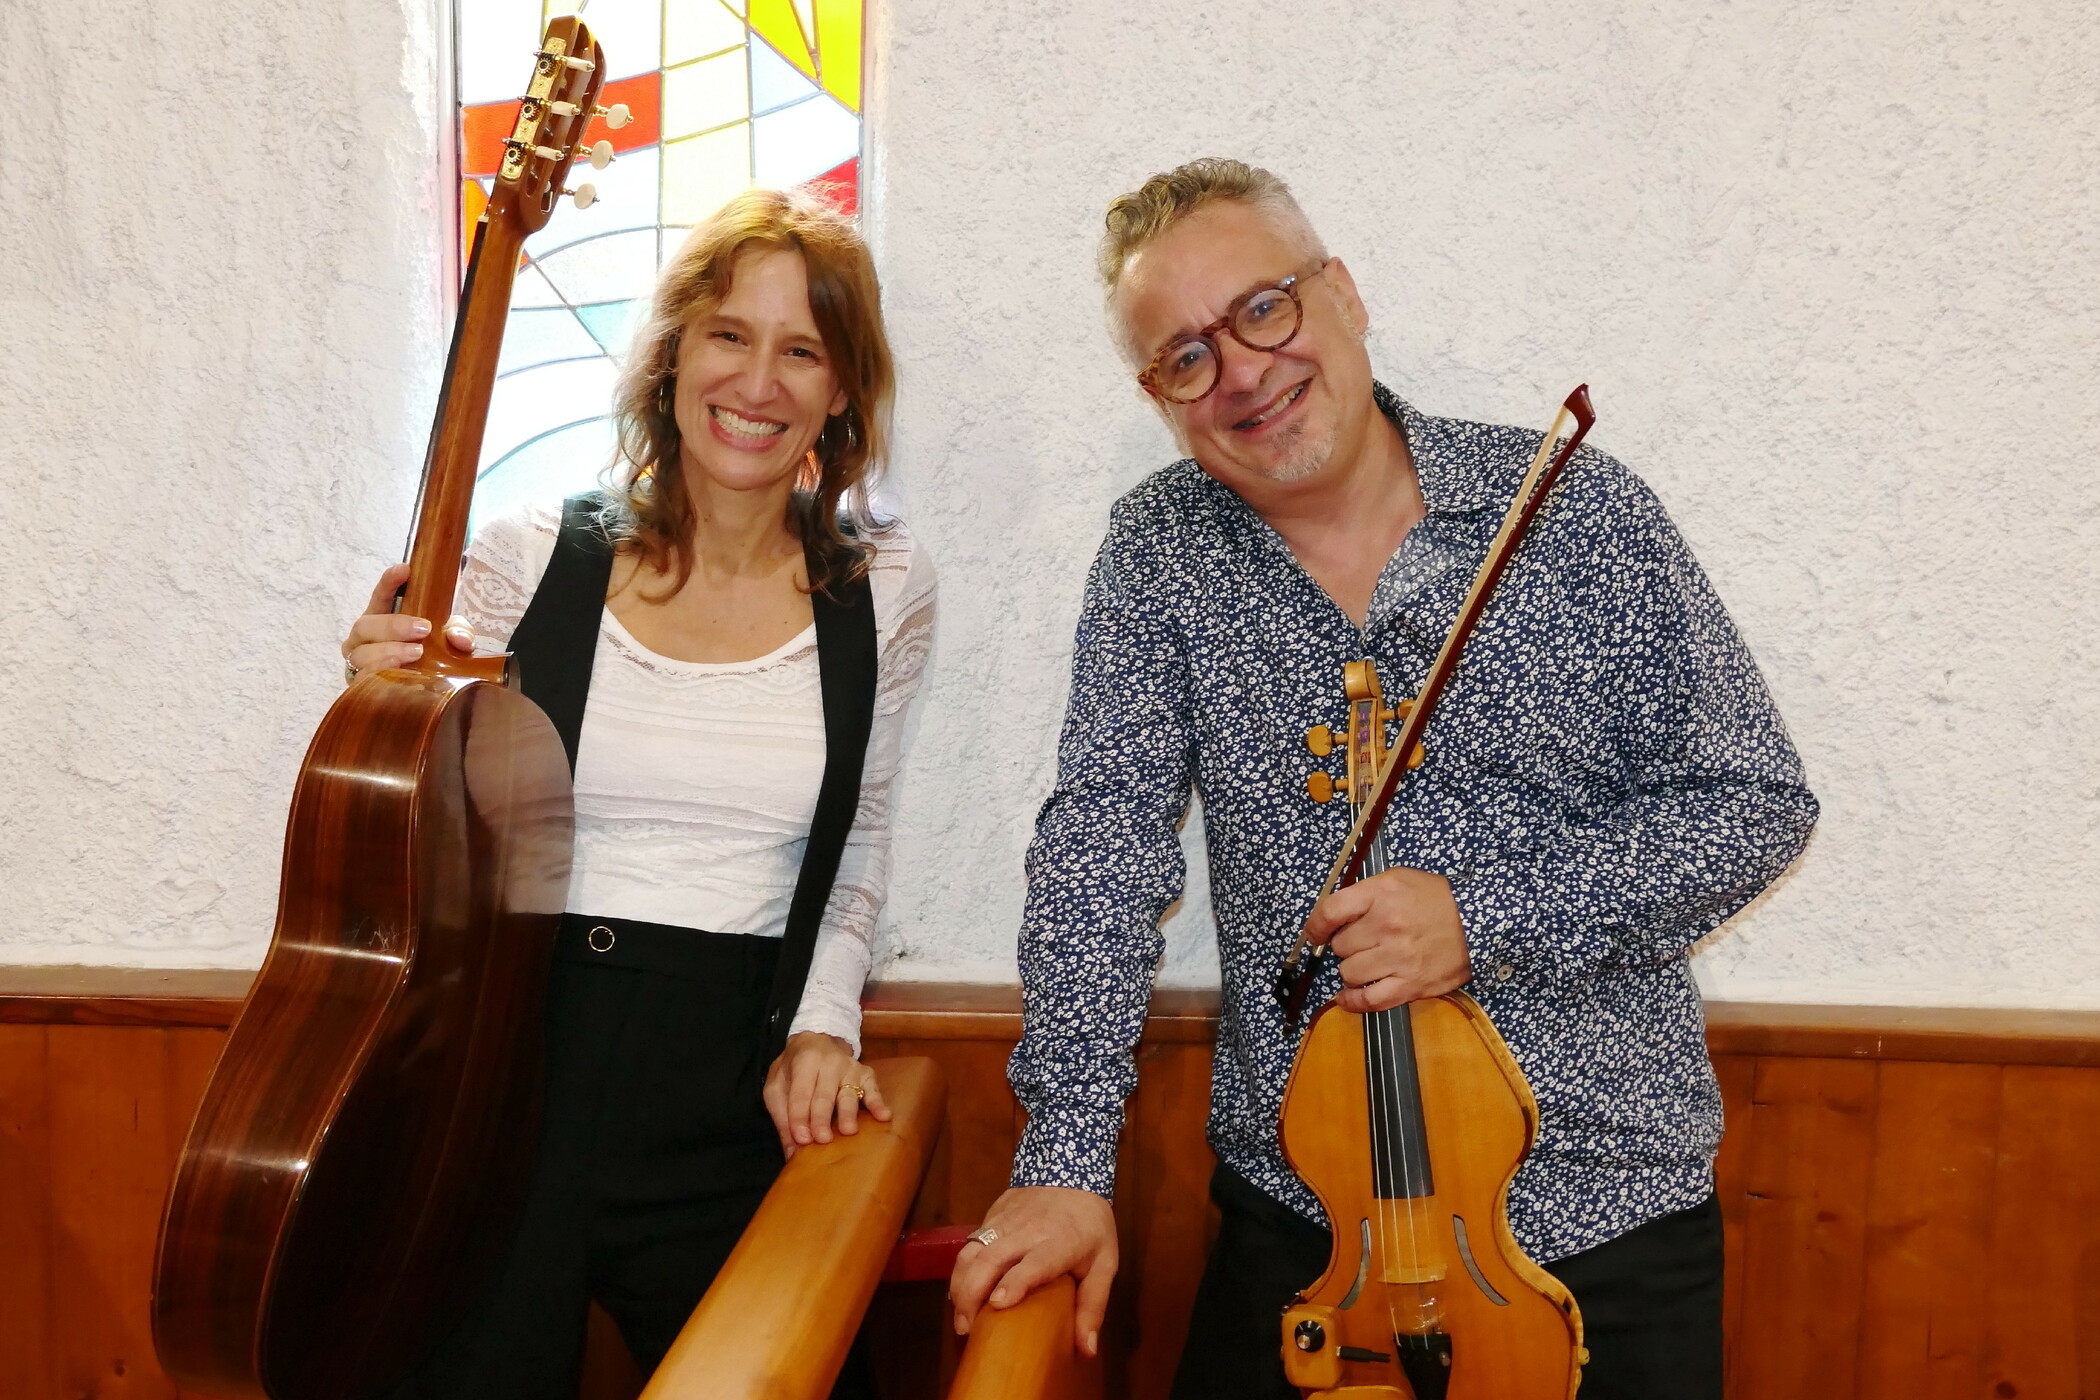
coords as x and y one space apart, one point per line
1829 270
220 337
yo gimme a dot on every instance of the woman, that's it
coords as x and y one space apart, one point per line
672 629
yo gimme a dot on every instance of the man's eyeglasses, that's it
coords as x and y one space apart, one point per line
1267 318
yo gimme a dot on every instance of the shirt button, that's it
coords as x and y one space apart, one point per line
1503 972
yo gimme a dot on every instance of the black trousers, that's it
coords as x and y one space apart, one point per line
1650 1300
655 1151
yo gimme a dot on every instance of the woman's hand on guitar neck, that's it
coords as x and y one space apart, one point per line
1399 937
815 1082
382 637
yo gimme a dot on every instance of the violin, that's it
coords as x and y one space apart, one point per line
1410 1123
356 1164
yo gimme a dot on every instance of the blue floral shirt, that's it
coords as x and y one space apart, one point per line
1607 780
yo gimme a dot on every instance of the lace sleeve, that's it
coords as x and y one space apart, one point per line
502 570
902 578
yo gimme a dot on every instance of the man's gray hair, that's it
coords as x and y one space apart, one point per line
1136 219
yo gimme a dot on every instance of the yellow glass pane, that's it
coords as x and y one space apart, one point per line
696 28
704 95
700 173
838 49
777 23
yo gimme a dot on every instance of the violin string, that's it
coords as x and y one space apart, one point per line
1381 1145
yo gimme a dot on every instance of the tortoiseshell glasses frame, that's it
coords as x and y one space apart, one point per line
1186 368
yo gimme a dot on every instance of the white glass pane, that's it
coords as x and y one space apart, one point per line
775 82
534 401
531 289
497 39
704 95
802 141
701 173
615 267
697 28
630 31
547 470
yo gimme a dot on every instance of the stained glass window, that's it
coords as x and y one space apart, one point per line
723 94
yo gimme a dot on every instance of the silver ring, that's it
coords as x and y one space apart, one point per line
983 1234
592 939
349 670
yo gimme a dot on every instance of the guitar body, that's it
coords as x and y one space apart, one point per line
1514 1333
361 1149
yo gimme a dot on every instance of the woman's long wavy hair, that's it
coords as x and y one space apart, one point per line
652 512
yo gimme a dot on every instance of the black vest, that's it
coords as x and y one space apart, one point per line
557 640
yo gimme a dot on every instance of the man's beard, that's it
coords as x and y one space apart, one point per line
1309 452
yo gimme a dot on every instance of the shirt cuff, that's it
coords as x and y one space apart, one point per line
1069 1146
1517 932
823 1017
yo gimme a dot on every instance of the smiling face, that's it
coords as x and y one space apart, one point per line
1276 417
755 383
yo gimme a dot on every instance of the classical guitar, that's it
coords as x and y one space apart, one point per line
360 1152
1409 1123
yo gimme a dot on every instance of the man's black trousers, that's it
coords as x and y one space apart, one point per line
655 1151
1650 1300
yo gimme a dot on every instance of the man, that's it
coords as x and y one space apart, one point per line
1607 780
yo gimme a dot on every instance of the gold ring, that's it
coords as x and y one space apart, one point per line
855 1090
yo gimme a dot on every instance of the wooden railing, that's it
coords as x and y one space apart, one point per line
1026 1352
781 1314
1910 1196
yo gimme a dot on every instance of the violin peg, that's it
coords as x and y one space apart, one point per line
600 153
1320 739
1319 786
616 116
1414 760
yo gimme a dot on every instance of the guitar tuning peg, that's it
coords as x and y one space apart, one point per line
584 195
616 116
600 153
581 65
1319 786
562 109
1320 739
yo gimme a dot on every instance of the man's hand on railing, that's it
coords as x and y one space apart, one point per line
1037 1233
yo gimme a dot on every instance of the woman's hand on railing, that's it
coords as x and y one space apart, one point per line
382 638
816 1084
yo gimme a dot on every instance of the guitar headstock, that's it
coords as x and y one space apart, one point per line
557 108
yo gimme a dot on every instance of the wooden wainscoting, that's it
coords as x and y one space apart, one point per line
1912 1200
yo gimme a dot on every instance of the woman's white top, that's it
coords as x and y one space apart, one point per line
696 781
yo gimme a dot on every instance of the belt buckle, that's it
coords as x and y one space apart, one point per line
592 939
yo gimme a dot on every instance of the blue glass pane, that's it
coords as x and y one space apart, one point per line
536 337
612 323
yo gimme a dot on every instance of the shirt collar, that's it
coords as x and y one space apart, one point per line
1450 477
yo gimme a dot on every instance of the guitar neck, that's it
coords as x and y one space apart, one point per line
454 458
